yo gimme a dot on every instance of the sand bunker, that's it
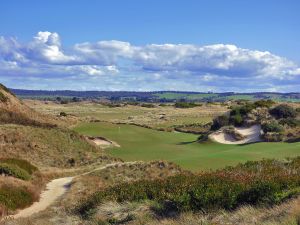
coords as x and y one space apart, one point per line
103 142
251 134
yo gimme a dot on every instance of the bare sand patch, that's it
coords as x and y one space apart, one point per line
251 134
103 142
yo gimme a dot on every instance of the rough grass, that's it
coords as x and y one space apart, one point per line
262 183
10 117
14 198
139 143
48 147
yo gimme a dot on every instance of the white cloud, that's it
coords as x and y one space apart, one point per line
185 66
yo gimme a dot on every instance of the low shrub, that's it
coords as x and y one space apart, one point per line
264 103
291 122
13 170
283 111
15 197
185 105
273 137
272 127
147 105
219 122
23 164
263 183
62 114
236 120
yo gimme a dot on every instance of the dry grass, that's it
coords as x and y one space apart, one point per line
285 214
157 117
48 147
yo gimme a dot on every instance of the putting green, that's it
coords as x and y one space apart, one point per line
138 143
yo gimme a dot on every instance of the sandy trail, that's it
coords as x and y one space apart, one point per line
252 134
54 189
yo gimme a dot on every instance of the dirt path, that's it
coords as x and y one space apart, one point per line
252 134
54 189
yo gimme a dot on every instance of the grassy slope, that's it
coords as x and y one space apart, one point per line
139 143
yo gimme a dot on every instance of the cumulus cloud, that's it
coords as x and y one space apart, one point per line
116 64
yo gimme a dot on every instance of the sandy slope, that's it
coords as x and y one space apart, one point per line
252 134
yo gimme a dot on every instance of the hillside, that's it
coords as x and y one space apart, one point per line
156 96
35 148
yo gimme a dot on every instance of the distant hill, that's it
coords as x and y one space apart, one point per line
155 96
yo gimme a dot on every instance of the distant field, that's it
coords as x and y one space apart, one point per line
139 143
222 97
157 117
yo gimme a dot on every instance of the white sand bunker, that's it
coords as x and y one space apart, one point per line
251 134
103 142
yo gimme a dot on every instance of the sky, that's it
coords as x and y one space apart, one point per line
143 45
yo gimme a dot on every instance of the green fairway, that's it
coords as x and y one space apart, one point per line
139 143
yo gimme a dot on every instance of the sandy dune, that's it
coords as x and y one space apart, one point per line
252 134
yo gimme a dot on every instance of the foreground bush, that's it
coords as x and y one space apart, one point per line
13 170
257 183
15 197
23 164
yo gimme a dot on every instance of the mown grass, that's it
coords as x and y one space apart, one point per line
139 143
262 183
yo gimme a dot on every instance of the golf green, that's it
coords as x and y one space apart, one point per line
138 143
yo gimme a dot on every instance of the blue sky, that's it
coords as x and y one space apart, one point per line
206 45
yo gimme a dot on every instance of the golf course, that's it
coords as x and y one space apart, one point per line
138 143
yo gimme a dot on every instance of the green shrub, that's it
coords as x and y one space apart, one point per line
15 197
272 127
185 105
236 120
291 122
283 111
264 103
23 164
13 170
219 122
